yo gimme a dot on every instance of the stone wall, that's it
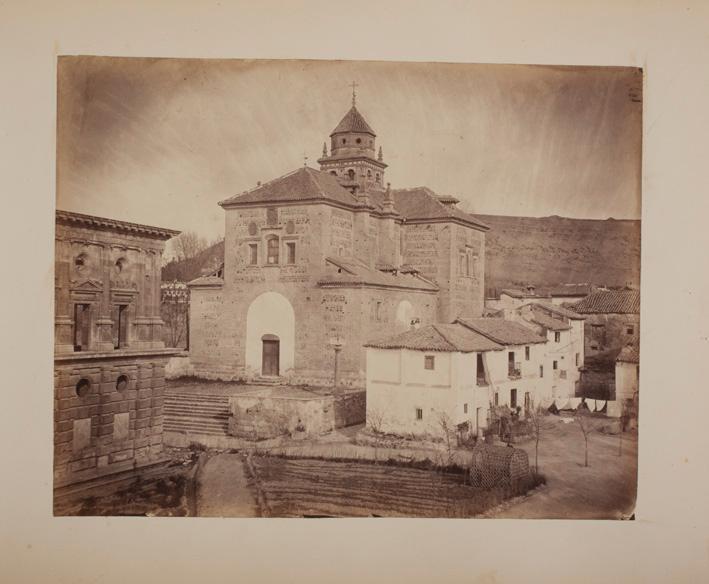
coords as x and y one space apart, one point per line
603 332
107 427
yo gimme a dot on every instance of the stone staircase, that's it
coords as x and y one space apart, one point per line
192 413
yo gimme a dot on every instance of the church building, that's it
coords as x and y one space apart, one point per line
319 262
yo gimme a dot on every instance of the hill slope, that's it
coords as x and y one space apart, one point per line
537 250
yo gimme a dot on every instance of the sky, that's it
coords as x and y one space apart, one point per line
161 141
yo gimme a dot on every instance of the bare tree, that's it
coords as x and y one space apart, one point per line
537 418
174 309
375 422
449 436
583 420
188 245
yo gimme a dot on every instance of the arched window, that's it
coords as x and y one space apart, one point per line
272 250
120 264
351 174
369 174
378 178
80 261
333 172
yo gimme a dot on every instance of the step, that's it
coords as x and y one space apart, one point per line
196 430
197 396
178 409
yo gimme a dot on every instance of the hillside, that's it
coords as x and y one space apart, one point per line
542 251
557 250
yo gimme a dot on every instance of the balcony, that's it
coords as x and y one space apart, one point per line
514 371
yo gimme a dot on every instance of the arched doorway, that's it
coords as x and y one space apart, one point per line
270 355
270 335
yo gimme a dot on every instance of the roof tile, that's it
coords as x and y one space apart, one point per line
438 337
610 302
504 332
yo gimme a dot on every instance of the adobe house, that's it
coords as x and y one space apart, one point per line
109 355
438 374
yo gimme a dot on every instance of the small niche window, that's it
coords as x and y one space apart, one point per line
497 399
119 265
351 174
81 261
377 178
429 362
83 387
630 330
120 326
465 408
290 246
272 251
557 337
359 140
253 254
122 383
333 173
378 311
419 414
555 365
577 359
344 140
272 216
541 371
526 353
252 229
369 174
82 324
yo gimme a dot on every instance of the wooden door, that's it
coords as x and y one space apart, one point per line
271 356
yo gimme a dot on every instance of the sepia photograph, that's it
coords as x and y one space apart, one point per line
309 289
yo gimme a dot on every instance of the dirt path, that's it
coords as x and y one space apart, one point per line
605 489
224 488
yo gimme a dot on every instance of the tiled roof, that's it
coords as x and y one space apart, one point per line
353 272
304 184
610 302
353 122
516 293
560 310
208 281
566 290
549 322
629 354
421 203
68 217
505 332
438 337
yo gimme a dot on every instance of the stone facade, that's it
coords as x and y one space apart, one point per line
109 355
319 262
609 331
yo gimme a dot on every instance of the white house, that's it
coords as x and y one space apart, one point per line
564 331
449 374
627 378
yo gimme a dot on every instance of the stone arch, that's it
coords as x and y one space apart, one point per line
404 314
270 315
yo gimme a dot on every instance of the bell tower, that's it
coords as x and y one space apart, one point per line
353 158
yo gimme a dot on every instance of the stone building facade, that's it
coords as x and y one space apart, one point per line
109 354
317 262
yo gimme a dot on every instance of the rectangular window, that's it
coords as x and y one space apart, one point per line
461 264
291 252
465 408
557 337
577 359
419 414
526 353
120 326
541 371
378 310
82 323
513 398
253 254
555 365
527 401
272 251
497 399
480 373
429 362
513 369
630 330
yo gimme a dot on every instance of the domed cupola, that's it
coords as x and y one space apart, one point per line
353 156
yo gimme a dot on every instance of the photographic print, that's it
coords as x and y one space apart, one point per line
346 289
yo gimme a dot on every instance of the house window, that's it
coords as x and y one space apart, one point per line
527 401
555 365
513 369
630 330
344 140
513 398
82 323
577 359
461 264
497 399
541 371
419 414
480 370
465 408
378 311
526 353
557 337
377 177
272 251
253 254
290 246
429 362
